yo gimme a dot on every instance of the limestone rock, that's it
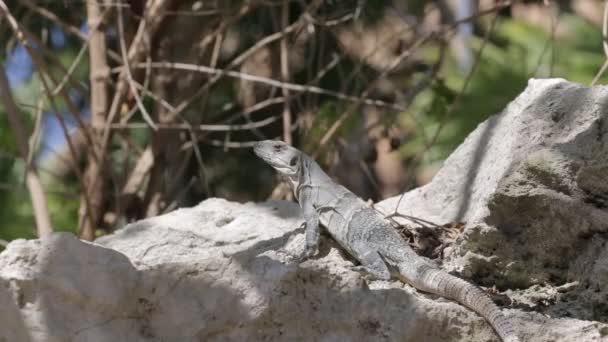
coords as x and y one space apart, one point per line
220 271
529 185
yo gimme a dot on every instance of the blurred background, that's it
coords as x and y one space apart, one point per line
112 111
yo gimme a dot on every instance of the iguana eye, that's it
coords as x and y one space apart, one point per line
293 161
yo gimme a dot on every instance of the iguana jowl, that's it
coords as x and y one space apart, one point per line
365 234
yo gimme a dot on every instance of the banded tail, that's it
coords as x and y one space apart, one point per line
431 279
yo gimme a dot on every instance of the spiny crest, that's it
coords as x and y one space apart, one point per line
279 155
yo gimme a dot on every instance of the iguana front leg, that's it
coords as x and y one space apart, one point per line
311 218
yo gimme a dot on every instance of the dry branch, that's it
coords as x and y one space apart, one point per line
90 213
267 81
138 50
285 75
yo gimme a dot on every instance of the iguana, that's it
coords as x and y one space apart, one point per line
367 236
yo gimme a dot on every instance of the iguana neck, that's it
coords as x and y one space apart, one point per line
310 175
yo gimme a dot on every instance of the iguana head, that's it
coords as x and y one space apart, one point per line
280 156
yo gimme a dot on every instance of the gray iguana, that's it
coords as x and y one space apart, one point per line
367 236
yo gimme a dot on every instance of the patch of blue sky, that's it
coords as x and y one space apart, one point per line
58 39
53 136
19 66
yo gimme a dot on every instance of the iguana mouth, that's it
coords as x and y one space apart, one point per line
269 154
261 152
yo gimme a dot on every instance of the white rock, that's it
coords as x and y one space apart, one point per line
531 184
224 271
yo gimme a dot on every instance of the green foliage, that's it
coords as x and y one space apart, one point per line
16 212
515 52
326 116
14 215
8 146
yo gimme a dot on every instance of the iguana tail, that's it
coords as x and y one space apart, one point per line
429 278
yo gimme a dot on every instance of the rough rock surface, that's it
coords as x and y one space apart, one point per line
529 185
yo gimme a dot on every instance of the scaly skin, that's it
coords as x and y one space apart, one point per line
364 233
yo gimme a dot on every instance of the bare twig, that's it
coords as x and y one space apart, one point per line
46 70
138 50
174 112
604 44
139 172
71 70
144 89
605 29
86 41
413 219
203 178
52 57
127 69
268 81
600 73
34 140
233 144
207 13
204 128
215 55
285 75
